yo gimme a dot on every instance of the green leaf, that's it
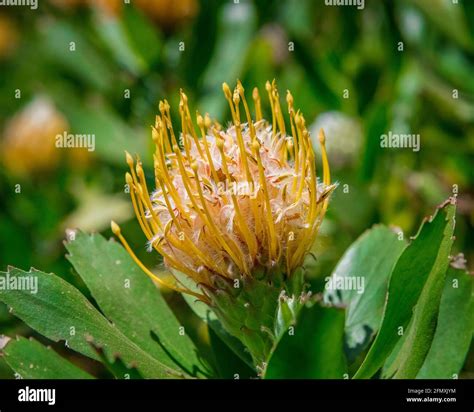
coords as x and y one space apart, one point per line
112 136
114 34
67 46
454 329
228 364
130 300
390 364
142 34
315 350
369 261
60 312
416 277
236 30
376 125
116 366
448 17
422 328
31 360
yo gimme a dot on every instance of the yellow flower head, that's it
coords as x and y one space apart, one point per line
235 202
28 144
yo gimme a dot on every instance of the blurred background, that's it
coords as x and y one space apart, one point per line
100 67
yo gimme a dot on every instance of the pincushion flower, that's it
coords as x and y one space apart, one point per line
28 144
235 210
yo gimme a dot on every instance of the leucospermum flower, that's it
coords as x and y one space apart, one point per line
28 144
235 210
